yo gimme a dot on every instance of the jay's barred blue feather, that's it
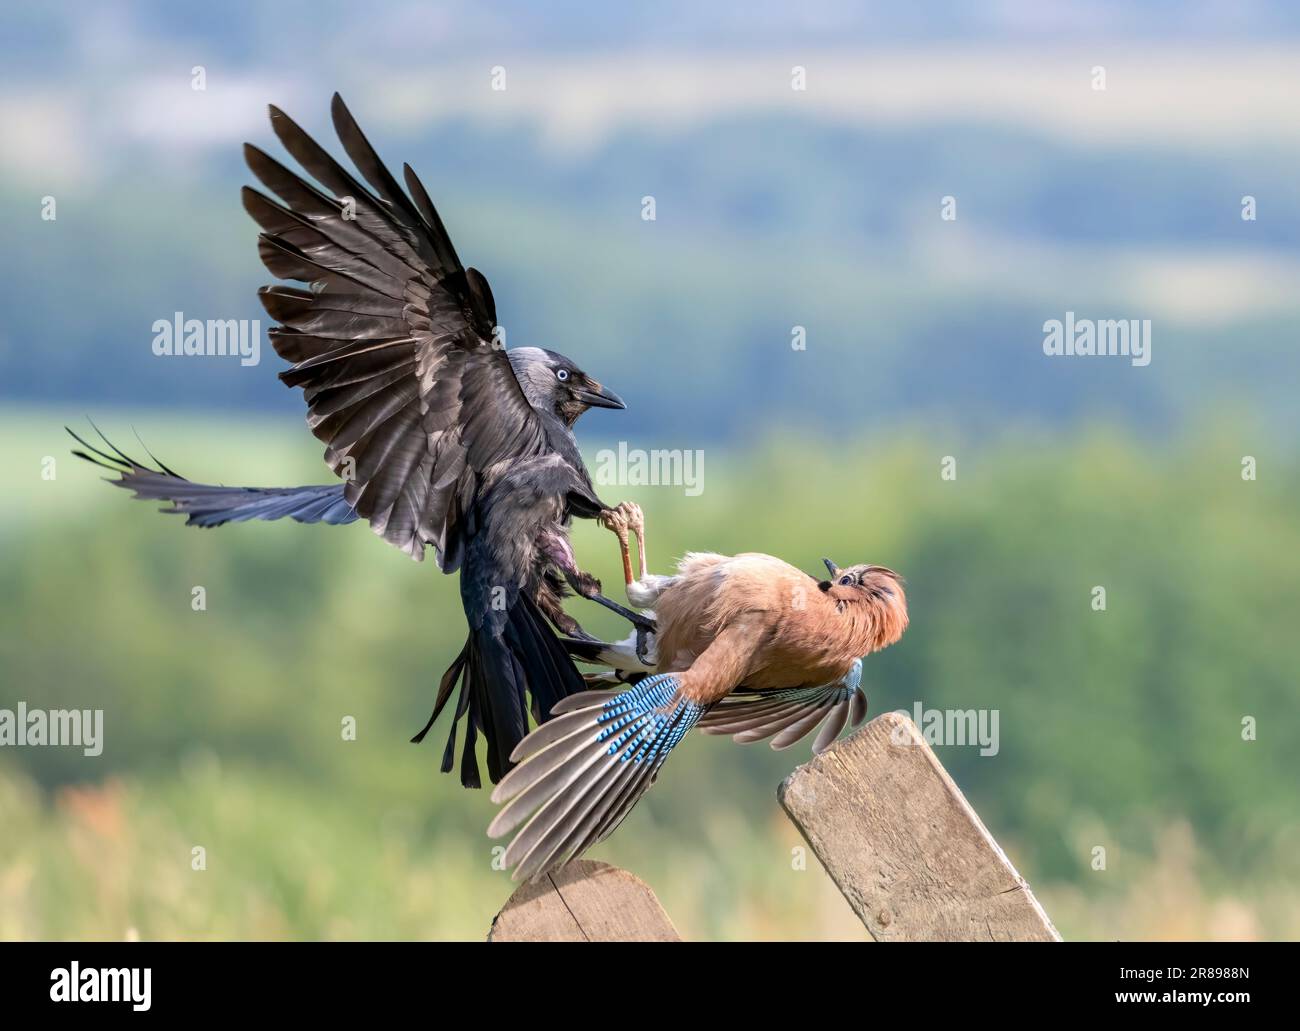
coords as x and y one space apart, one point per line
580 774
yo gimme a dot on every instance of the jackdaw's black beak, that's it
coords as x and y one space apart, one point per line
593 395
831 567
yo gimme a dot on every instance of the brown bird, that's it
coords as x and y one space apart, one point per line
746 645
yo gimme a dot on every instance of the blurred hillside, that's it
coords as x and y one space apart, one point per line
763 225
775 208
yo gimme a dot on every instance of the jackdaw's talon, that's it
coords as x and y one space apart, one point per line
633 517
614 520
643 645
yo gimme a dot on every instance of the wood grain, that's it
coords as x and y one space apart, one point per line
901 842
584 901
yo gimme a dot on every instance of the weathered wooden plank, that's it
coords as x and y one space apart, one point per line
904 846
584 901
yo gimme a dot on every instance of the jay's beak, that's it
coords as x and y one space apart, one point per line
831 567
593 395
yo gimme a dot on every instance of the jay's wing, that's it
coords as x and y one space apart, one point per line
789 714
393 342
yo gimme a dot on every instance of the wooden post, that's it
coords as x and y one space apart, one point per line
904 846
584 901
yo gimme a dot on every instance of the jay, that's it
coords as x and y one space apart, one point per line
745 645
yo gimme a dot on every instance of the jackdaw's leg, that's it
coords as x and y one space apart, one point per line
557 548
589 587
550 599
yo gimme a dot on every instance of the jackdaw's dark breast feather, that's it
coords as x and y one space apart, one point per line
392 344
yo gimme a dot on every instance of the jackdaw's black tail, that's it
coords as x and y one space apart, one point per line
499 670
206 504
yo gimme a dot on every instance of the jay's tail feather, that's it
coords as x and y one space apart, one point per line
580 774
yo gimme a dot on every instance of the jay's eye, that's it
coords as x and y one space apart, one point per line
846 580
561 374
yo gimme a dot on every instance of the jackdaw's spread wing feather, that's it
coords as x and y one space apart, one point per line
393 342
208 504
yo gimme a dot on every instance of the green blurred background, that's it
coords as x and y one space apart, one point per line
1119 729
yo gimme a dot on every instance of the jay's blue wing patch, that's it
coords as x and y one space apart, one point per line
581 773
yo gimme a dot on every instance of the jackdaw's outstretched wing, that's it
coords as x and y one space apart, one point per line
207 504
392 344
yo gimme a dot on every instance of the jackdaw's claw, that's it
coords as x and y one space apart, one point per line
614 520
643 644
624 516
634 516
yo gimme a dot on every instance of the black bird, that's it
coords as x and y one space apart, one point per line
442 437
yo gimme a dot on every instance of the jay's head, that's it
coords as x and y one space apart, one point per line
553 383
877 586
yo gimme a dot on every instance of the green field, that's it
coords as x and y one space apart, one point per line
1119 728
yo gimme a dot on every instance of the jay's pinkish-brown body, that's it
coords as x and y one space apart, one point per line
745 645
755 621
